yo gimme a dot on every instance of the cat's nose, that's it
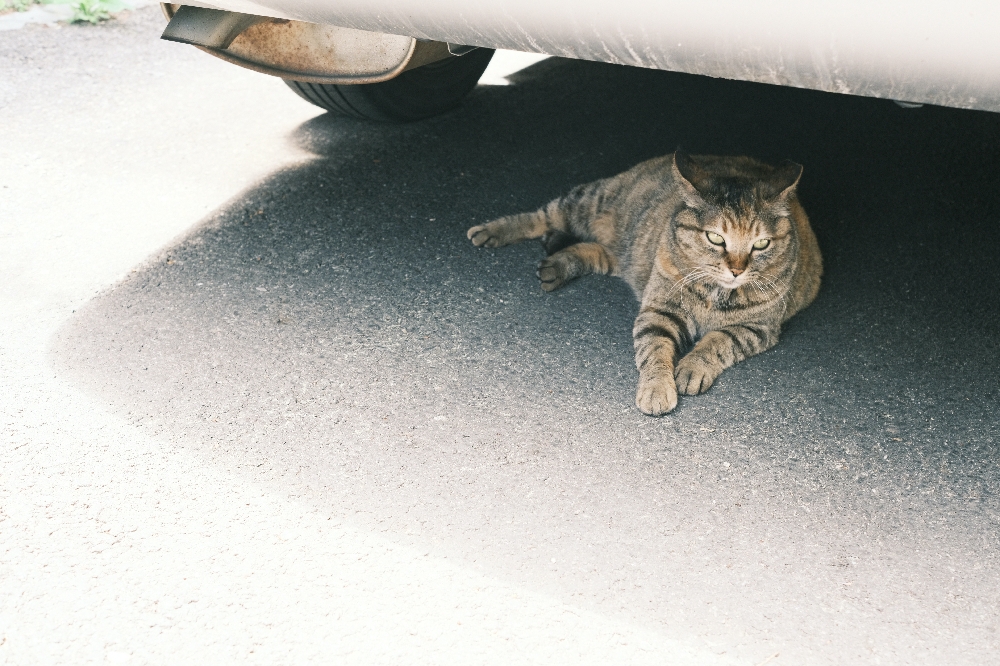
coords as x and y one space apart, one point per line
736 271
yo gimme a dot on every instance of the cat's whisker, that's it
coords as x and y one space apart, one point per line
694 276
774 280
757 284
766 288
775 283
688 278
771 283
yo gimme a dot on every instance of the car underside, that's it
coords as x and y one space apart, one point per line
340 54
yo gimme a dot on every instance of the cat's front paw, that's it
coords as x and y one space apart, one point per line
656 395
481 237
694 375
552 273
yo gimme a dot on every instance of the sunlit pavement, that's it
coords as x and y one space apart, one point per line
262 401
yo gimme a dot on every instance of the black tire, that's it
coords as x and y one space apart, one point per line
419 93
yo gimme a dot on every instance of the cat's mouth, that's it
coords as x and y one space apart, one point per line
731 282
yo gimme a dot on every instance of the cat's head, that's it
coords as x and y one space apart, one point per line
736 225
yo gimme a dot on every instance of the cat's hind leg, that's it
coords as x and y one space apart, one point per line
574 261
508 230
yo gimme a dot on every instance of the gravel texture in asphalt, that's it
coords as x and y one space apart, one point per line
304 418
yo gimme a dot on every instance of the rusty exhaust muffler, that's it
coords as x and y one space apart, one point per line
299 50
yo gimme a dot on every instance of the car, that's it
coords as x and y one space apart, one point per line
402 60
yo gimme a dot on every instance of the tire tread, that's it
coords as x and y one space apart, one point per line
419 93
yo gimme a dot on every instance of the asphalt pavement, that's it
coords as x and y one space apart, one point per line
265 403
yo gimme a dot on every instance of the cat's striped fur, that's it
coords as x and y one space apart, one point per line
680 230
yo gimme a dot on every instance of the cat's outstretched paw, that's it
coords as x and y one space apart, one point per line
552 272
694 375
656 395
481 237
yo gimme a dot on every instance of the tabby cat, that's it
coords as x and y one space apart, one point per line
717 249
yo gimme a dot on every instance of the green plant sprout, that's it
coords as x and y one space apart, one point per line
16 5
92 11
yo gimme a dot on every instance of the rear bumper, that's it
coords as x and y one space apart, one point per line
909 51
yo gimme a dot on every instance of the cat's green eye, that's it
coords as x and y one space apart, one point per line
715 239
762 243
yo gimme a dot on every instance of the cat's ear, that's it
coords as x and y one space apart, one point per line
783 181
687 173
